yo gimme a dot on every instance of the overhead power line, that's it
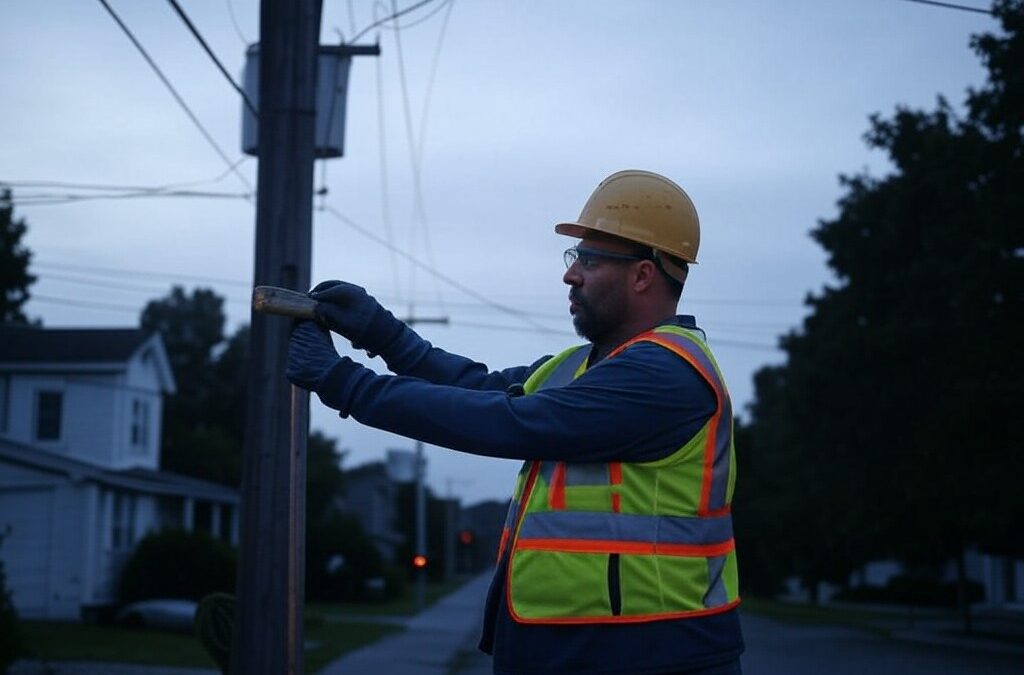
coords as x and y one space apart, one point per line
87 304
143 274
519 314
421 225
137 310
950 5
119 188
234 22
209 52
134 285
395 15
423 19
46 199
175 94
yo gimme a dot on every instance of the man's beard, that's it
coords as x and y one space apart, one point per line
595 320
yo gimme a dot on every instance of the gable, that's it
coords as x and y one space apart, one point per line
29 349
30 344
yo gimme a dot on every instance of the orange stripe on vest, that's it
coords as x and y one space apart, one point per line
629 547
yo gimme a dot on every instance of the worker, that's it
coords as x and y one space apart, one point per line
617 555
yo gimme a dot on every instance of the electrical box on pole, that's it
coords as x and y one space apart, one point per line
333 64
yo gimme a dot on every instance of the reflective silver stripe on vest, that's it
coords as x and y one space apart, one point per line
511 514
716 595
565 371
723 432
586 473
626 527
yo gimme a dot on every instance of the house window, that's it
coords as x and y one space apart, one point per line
140 424
49 406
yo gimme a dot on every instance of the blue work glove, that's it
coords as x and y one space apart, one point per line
314 364
311 355
351 312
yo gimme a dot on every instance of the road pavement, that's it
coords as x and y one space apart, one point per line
777 648
441 640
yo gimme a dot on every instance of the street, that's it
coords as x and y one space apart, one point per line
775 648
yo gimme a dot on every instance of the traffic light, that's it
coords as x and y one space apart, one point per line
419 562
466 537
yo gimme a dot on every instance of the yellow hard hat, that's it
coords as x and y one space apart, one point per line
645 208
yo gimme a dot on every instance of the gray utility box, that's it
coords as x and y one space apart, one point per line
331 93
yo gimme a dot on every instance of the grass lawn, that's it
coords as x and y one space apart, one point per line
873 622
60 641
403 606
326 640
65 641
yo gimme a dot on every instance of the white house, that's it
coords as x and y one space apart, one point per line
80 484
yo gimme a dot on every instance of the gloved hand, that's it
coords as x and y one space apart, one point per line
314 364
311 356
348 310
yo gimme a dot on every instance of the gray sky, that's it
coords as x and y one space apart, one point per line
754 107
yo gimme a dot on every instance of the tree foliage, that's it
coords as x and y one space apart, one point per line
11 639
204 421
890 429
205 418
14 260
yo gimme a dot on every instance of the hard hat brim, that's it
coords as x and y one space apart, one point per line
572 229
579 230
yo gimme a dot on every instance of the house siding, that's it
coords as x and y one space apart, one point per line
78 505
88 549
86 426
67 530
26 517
90 425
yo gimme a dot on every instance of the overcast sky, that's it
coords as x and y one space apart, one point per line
753 106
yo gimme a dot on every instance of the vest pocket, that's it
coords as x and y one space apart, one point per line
614 587
554 585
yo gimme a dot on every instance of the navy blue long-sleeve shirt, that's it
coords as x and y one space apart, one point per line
641 405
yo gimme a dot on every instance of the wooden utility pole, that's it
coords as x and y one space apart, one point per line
268 624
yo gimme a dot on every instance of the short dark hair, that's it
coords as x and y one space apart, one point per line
674 285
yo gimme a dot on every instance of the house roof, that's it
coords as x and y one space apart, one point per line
28 344
138 480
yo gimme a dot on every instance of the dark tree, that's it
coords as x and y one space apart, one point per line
892 424
324 478
203 420
14 260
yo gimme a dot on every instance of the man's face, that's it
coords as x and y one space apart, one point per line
598 300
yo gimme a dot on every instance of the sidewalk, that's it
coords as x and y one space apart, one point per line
437 641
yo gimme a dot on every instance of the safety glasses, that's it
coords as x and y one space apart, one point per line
589 257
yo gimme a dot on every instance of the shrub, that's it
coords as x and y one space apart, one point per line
10 634
340 561
178 564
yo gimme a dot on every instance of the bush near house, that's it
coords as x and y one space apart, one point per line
10 633
343 565
178 564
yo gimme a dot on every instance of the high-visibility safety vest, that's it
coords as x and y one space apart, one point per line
626 542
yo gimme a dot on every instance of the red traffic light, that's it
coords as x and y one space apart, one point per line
419 561
466 537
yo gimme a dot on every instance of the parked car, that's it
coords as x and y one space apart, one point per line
167 614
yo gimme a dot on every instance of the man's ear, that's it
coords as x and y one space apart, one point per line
645 272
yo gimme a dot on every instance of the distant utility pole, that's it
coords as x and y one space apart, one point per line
268 627
420 571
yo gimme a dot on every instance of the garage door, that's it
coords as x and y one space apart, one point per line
25 517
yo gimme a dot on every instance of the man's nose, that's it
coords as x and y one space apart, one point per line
572 277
